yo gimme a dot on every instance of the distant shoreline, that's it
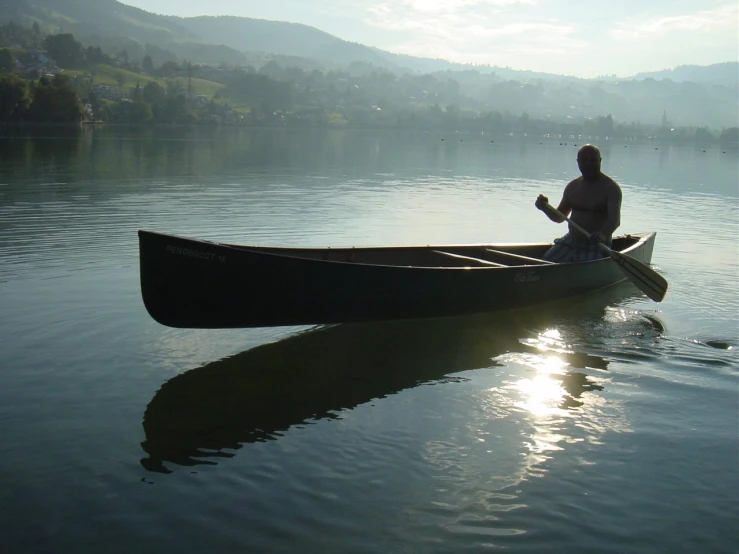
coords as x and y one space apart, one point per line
442 135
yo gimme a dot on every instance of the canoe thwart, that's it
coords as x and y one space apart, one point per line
518 256
478 261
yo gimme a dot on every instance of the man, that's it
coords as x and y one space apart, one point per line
594 200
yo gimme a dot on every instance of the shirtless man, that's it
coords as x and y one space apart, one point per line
594 200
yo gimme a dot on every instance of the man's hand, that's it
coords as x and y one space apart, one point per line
597 237
541 202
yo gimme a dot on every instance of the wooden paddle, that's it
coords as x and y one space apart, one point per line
644 277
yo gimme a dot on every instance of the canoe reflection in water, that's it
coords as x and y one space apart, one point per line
259 394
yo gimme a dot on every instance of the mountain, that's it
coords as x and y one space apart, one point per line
245 41
212 40
717 74
276 37
301 41
115 26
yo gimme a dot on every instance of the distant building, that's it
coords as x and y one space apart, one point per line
40 65
200 101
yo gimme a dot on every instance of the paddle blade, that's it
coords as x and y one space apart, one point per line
644 277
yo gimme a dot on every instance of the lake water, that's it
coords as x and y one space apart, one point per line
604 424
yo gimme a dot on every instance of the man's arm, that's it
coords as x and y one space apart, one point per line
613 211
565 206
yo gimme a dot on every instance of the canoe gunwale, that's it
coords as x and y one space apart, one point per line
311 254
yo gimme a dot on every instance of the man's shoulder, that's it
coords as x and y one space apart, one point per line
609 181
612 190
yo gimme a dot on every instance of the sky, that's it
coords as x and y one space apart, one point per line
568 37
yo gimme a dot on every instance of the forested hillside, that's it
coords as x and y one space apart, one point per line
258 68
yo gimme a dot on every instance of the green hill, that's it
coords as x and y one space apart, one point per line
115 26
281 38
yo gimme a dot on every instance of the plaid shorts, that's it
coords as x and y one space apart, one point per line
572 248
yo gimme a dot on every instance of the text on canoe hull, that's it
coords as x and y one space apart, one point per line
192 253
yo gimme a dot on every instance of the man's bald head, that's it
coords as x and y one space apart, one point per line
589 150
588 160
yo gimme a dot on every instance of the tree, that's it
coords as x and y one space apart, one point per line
730 137
452 89
6 61
94 55
54 100
153 93
260 90
37 35
96 105
64 49
524 121
451 116
266 107
173 108
13 98
140 112
147 64
168 69
703 136
272 69
605 126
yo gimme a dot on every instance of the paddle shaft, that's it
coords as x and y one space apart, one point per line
579 228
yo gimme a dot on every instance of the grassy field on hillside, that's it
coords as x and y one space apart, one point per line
104 74
200 86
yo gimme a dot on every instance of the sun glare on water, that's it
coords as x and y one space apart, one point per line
543 393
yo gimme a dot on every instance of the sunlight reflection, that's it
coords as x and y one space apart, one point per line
550 395
539 398
548 341
543 394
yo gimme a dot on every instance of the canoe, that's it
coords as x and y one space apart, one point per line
191 283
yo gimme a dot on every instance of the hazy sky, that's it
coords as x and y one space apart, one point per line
571 37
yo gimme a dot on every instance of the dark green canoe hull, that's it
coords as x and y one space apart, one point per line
191 283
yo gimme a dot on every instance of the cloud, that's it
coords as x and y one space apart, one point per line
545 35
450 6
529 43
462 29
718 19
389 14
529 31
